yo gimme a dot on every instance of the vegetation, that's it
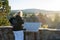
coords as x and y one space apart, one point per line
4 12
30 17
56 23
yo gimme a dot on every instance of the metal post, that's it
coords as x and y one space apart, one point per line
24 34
35 36
41 36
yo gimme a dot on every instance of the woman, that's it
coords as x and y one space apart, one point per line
19 23
16 21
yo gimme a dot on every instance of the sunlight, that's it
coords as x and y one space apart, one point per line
51 16
53 19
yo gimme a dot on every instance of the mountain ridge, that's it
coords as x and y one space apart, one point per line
35 11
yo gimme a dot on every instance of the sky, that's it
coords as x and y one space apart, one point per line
53 5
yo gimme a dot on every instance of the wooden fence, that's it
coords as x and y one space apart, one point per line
43 34
6 33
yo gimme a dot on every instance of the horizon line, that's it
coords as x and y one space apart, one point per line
37 9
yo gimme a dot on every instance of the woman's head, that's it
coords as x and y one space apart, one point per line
18 13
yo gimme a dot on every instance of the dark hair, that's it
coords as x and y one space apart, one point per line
18 12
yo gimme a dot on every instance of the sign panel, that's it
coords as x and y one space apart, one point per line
32 26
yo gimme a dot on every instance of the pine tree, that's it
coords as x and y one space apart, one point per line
4 12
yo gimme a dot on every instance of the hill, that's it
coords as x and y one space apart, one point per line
35 11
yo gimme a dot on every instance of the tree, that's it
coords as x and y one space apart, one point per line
4 12
24 14
42 18
33 18
56 22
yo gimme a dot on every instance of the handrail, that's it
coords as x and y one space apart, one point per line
6 27
49 29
